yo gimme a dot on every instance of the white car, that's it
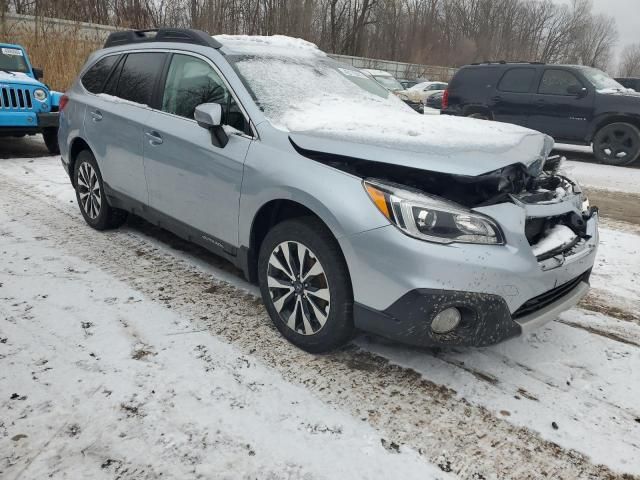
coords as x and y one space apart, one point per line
424 90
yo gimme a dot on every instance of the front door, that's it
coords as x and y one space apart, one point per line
557 110
191 180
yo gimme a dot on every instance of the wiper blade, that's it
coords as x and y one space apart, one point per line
7 71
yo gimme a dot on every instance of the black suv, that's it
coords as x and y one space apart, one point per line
573 104
633 83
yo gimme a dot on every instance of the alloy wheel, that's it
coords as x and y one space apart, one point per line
298 288
619 144
89 191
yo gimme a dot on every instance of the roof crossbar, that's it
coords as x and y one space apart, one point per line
179 35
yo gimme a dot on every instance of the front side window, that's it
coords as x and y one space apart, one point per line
138 77
192 82
517 80
95 77
12 60
600 80
558 82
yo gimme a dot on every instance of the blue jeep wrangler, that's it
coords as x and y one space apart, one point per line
27 106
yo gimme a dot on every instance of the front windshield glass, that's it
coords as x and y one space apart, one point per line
12 60
389 82
283 86
601 80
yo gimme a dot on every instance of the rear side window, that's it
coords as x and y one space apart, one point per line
517 80
94 78
478 77
557 82
139 75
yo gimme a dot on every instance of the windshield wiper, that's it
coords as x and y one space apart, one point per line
7 71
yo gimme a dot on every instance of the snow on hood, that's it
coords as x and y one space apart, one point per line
381 132
334 108
17 77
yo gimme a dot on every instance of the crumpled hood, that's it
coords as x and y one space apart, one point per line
445 144
18 78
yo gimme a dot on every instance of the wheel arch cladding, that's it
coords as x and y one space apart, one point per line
600 123
270 214
77 145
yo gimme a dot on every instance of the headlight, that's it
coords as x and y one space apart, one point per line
40 95
431 218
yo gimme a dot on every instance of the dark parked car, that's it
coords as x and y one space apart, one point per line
573 104
633 83
435 100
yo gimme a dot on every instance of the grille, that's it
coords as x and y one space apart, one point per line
12 98
549 297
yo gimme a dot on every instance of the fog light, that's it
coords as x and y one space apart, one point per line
446 321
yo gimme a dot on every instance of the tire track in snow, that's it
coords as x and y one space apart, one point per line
407 408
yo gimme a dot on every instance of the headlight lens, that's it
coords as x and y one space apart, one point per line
40 95
431 218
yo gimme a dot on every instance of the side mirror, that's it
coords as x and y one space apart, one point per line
209 116
38 73
577 90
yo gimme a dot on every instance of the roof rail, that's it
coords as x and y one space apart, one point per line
180 35
504 62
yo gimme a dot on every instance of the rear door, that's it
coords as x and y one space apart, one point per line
191 180
559 113
114 121
511 100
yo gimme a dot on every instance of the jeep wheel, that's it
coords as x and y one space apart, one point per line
305 285
617 144
93 203
50 136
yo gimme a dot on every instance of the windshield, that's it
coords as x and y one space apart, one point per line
601 80
286 86
12 60
389 82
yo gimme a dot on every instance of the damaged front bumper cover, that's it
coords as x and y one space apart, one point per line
486 319
501 292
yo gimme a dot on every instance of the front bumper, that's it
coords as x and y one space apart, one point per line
501 290
27 122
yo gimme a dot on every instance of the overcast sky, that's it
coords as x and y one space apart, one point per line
627 15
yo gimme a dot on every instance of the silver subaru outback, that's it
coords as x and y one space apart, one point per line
350 210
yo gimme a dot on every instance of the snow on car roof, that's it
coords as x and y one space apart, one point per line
273 45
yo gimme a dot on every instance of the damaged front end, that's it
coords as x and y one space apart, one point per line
558 217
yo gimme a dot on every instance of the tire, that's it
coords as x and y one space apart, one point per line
617 144
299 308
90 195
50 136
478 116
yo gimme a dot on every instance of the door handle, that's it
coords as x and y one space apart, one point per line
497 98
154 138
541 102
96 115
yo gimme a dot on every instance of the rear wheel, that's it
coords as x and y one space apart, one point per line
50 136
617 144
305 285
90 195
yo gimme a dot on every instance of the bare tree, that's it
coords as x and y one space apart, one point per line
630 61
445 32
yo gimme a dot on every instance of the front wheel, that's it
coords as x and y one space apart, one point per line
617 144
90 195
305 285
50 136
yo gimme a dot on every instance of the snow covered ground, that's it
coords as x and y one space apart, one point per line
132 354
